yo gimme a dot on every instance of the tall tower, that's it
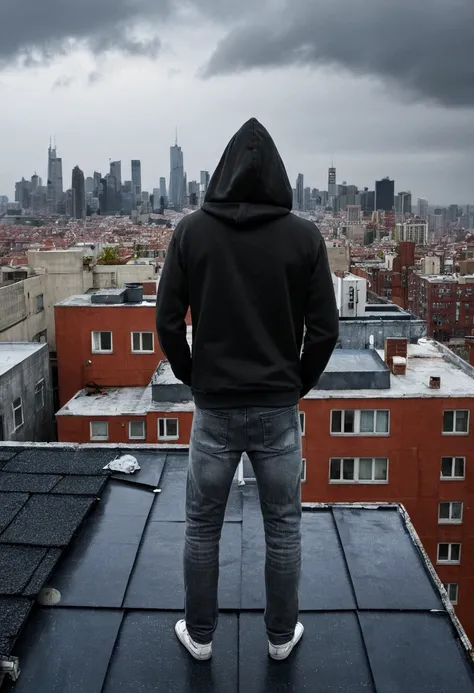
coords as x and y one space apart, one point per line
55 178
300 192
136 181
384 195
176 191
78 193
332 186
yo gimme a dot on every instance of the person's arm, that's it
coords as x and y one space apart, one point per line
321 320
172 303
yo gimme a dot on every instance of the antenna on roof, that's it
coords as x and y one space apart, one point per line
176 139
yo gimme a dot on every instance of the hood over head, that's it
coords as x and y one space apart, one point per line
250 184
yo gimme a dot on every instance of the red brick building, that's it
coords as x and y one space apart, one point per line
393 427
445 302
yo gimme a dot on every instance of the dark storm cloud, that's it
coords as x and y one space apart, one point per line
35 32
423 45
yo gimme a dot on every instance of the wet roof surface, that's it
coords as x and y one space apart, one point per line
374 618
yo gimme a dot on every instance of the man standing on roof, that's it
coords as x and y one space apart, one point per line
254 276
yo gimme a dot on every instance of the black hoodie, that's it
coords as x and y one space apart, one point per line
254 275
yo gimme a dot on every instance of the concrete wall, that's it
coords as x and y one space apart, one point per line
355 334
339 260
115 276
20 320
20 381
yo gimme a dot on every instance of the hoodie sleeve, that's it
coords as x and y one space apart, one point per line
172 304
321 320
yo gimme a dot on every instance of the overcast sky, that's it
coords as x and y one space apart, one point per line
380 87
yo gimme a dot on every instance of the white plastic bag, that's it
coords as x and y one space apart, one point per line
126 464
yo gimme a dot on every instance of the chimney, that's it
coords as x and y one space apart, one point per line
435 382
396 354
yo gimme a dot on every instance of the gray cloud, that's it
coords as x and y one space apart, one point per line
51 28
63 82
422 45
94 77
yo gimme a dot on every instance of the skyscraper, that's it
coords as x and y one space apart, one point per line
97 179
163 192
90 185
55 179
384 195
78 193
403 204
176 191
116 170
423 208
300 192
136 181
332 185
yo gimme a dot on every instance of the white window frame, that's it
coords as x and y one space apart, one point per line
448 561
454 432
303 470
166 437
102 351
356 480
141 350
15 409
450 520
453 466
302 422
39 388
357 431
447 586
93 437
142 437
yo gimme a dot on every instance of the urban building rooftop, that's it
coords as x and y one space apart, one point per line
105 547
14 353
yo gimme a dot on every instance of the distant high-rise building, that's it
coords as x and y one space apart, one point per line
384 195
55 179
204 184
23 193
307 199
423 208
163 192
136 180
353 214
35 182
78 193
332 186
90 185
103 192
177 177
300 192
97 179
367 201
116 171
403 204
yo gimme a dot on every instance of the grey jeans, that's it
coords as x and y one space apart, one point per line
272 440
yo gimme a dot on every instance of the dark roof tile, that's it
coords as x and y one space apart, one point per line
81 485
10 505
47 520
17 565
13 612
29 483
151 468
58 461
42 573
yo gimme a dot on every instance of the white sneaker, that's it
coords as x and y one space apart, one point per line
197 650
283 651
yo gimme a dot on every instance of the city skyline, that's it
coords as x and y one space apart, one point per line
353 99
132 171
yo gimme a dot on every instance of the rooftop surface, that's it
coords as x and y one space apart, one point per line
425 360
377 619
13 353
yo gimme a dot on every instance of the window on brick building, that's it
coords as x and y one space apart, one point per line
102 342
302 422
450 513
168 429
360 421
17 407
453 467
142 342
99 430
136 430
456 421
452 588
303 470
39 395
358 470
449 553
